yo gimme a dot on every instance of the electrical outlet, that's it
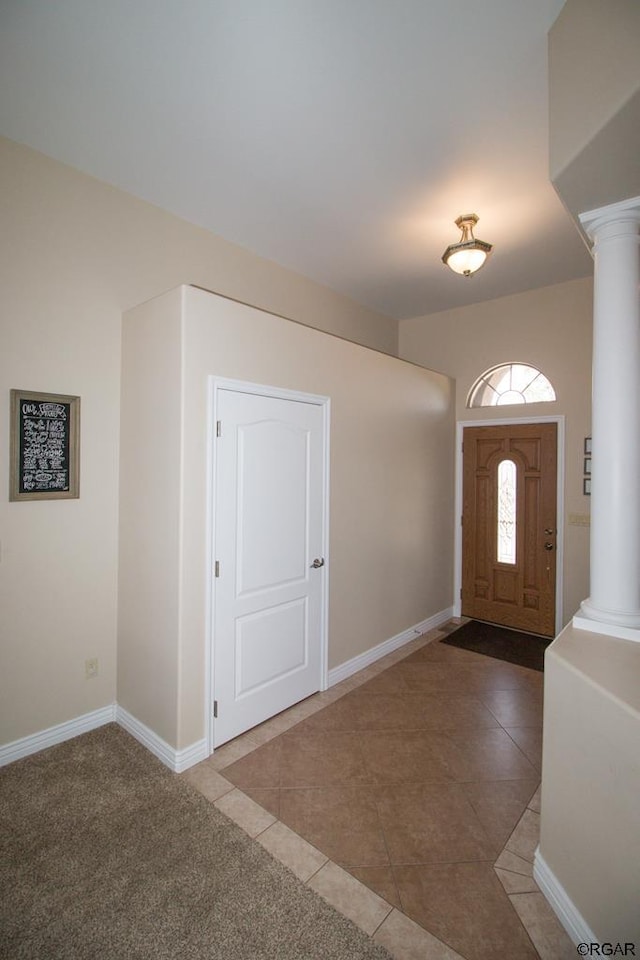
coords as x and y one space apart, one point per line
91 668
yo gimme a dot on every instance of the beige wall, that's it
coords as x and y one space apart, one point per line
594 103
391 490
74 254
549 329
594 69
149 516
590 826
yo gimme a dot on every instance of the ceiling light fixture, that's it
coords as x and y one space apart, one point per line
469 254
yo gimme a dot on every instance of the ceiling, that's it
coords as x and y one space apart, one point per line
339 138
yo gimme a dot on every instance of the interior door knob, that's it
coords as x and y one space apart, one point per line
318 562
548 545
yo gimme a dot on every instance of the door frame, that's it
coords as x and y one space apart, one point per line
214 387
457 549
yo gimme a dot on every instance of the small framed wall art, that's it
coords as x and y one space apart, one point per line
586 481
45 446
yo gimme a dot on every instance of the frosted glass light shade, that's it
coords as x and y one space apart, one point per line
466 262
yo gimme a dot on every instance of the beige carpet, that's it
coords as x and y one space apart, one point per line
104 854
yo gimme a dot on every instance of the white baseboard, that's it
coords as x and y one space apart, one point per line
58 734
567 913
179 760
387 646
176 760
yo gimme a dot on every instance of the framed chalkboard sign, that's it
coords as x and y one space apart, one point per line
45 446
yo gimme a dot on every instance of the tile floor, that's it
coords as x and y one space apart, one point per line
407 796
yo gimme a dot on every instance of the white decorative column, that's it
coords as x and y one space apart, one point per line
614 605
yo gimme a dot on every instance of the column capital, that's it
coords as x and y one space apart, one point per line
624 212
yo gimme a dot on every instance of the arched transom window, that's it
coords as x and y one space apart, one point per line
510 383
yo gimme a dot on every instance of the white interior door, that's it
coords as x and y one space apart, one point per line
270 587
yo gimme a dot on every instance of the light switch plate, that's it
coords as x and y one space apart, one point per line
579 520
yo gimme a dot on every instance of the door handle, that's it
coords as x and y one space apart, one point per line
548 545
317 563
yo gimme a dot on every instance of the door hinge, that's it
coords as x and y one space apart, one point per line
461 593
217 569
462 520
215 709
218 428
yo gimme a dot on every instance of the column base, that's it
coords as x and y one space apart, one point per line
624 625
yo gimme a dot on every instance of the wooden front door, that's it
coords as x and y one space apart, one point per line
509 525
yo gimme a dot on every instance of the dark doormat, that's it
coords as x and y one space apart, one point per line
524 649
